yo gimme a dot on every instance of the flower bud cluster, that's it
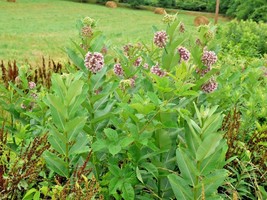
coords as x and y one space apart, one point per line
118 69
138 62
127 48
184 54
168 19
208 58
210 86
87 31
157 70
94 61
160 39
88 21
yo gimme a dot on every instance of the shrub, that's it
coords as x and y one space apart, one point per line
245 38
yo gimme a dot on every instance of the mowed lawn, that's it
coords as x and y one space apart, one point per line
30 29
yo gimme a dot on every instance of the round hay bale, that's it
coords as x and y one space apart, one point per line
111 4
11 0
201 20
160 11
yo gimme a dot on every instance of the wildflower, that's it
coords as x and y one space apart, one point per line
209 35
208 58
158 71
88 21
210 86
167 19
132 82
182 27
118 69
160 39
202 72
34 95
146 66
137 62
31 85
94 61
87 31
127 48
184 54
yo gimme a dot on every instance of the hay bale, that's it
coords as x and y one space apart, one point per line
201 20
111 4
160 11
11 0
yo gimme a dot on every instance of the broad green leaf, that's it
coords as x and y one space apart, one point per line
58 86
111 134
212 125
138 175
187 167
29 194
74 127
73 92
126 141
208 146
80 145
58 111
152 169
153 97
127 191
78 61
180 188
114 148
56 164
99 145
57 144
115 170
213 181
115 184
36 195
143 108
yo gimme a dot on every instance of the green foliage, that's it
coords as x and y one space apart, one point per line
145 122
200 157
244 38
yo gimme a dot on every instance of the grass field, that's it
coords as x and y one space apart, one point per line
30 29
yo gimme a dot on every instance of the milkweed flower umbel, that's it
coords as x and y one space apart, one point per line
118 69
210 86
137 62
157 70
160 39
94 61
208 58
184 53
32 85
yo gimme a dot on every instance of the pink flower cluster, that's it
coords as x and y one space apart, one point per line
32 85
127 48
157 70
94 61
184 54
208 58
160 39
210 86
137 62
118 69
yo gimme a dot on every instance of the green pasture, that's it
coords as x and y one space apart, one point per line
30 29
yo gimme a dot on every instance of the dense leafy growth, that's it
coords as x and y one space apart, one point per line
177 119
